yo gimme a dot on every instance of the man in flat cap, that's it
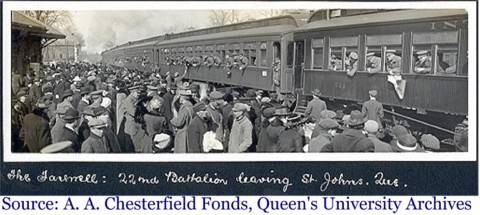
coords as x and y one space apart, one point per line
96 142
35 132
214 108
273 127
352 139
315 106
423 64
373 109
242 128
326 131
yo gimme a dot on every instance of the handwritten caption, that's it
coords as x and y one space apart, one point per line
323 181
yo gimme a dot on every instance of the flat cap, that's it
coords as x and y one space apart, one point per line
240 107
399 130
430 141
96 123
216 95
268 112
328 124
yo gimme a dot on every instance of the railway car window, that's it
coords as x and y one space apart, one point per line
276 51
263 54
290 47
343 53
317 53
435 53
384 53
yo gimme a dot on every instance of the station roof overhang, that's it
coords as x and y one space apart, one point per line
22 22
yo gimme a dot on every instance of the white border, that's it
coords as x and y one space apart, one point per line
6 74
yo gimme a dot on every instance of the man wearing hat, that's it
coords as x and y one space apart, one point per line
214 109
199 125
182 120
273 127
291 139
19 111
69 131
352 139
85 100
96 142
67 98
127 111
403 140
241 134
315 106
155 123
423 64
96 98
371 127
35 91
373 109
374 63
394 62
326 129
352 64
35 132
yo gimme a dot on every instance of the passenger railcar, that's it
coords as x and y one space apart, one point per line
277 55
322 50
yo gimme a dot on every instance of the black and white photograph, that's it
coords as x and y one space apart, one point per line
221 81
239 107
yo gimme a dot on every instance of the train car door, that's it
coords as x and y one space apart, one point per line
299 62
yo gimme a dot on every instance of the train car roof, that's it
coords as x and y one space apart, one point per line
262 31
136 45
382 17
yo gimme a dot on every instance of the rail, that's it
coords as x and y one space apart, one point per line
420 121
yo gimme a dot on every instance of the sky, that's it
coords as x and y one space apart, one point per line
104 29
101 29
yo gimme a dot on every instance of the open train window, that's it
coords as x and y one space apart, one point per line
277 53
290 47
435 53
343 53
384 53
317 53
263 54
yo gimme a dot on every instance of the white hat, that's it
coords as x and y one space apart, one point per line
161 141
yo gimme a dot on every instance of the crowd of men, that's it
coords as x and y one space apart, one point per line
95 108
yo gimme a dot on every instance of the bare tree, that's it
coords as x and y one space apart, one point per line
59 19
225 17
54 18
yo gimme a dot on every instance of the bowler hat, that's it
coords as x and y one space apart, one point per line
327 114
356 118
373 93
